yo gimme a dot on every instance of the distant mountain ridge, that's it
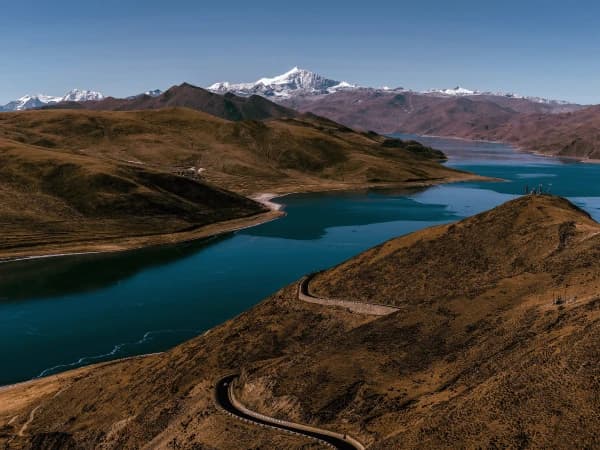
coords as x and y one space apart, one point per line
299 82
294 83
185 95
40 100
533 123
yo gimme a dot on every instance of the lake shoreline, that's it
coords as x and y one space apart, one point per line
267 197
206 232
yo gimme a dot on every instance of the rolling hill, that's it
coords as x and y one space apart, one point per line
495 345
56 202
283 155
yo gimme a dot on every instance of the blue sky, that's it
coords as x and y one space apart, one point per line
122 47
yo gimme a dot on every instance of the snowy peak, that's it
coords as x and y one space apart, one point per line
294 82
78 95
29 102
39 100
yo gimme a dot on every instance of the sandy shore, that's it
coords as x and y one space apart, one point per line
266 199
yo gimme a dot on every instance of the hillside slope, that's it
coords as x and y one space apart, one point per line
305 153
55 202
484 357
550 128
412 112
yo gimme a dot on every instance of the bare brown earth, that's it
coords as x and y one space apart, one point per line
424 114
553 129
56 202
78 180
575 134
481 355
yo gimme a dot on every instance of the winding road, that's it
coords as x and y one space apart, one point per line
372 309
226 400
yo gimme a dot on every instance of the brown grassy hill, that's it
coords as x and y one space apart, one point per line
249 156
56 201
493 362
523 237
228 106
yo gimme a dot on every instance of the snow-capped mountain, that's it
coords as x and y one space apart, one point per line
304 82
30 102
294 82
39 100
77 95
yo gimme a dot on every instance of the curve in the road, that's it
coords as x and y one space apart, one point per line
372 309
225 398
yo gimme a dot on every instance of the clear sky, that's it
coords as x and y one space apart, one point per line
123 47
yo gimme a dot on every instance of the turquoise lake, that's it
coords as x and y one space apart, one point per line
61 313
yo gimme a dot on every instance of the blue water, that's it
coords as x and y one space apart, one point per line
61 313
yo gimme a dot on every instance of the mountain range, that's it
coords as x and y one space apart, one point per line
40 100
532 123
228 106
301 82
293 83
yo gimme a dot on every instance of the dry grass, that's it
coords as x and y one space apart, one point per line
248 157
56 201
490 363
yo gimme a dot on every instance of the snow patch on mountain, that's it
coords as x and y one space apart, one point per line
153 93
459 91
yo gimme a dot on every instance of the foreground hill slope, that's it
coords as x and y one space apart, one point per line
56 202
307 153
483 358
